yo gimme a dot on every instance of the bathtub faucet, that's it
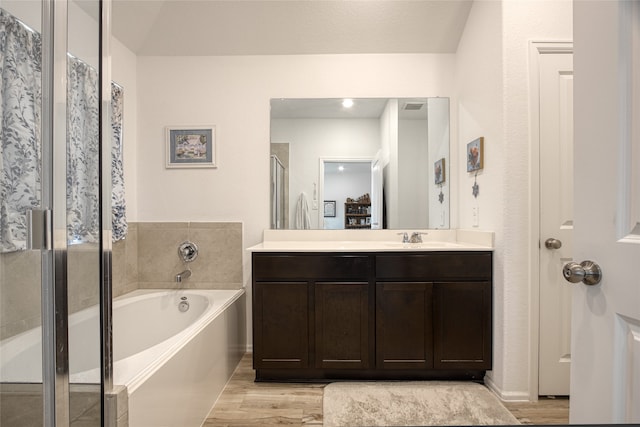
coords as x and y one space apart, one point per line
183 275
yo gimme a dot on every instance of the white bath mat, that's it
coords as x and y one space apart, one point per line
415 403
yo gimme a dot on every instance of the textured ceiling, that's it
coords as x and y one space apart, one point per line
287 27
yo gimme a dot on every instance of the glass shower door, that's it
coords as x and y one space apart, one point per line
83 212
52 271
21 386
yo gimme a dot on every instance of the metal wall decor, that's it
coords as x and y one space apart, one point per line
475 188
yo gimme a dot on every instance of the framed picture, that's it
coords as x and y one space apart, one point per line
475 155
439 171
191 147
329 208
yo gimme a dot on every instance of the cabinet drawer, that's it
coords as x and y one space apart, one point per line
434 266
310 267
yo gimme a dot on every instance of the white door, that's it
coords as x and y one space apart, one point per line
605 367
556 220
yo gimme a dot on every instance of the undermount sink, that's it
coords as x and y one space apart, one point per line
422 245
360 245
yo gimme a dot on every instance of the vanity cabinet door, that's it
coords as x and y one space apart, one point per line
343 325
281 325
462 325
404 332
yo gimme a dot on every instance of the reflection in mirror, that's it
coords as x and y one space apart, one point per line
382 161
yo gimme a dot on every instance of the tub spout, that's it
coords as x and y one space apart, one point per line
183 275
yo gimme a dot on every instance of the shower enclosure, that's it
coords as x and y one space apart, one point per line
277 194
55 222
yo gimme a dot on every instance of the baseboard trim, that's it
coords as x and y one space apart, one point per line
508 396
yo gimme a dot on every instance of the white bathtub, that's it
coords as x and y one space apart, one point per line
174 364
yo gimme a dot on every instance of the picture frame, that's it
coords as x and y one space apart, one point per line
475 154
439 172
191 146
329 208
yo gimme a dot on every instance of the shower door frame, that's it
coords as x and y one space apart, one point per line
55 344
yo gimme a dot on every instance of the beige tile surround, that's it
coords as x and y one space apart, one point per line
20 292
20 286
147 258
219 261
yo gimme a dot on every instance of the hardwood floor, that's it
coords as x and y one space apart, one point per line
244 402
544 411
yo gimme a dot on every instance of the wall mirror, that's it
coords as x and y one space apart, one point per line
367 163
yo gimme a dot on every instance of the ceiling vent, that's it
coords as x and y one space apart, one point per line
413 106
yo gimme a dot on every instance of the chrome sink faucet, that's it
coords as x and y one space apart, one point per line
415 238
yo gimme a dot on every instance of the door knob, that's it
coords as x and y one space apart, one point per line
587 272
552 243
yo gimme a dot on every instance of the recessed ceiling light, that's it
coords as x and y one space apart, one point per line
347 103
341 168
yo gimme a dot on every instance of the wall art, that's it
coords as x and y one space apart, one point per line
329 208
475 155
191 147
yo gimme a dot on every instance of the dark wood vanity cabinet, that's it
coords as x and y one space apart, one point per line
343 339
462 325
312 311
460 298
372 315
281 335
404 324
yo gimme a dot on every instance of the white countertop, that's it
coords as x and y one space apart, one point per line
372 241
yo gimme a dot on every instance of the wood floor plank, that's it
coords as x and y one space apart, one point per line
244 402
544 411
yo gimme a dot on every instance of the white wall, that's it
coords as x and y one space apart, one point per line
479 79
124 73
492 76
413 170
389 155
233 93
439 147
311 139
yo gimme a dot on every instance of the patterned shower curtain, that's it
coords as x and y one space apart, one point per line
118 205
20 109
20 144
83 152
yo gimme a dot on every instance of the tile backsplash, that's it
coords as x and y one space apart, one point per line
147 258
218 265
